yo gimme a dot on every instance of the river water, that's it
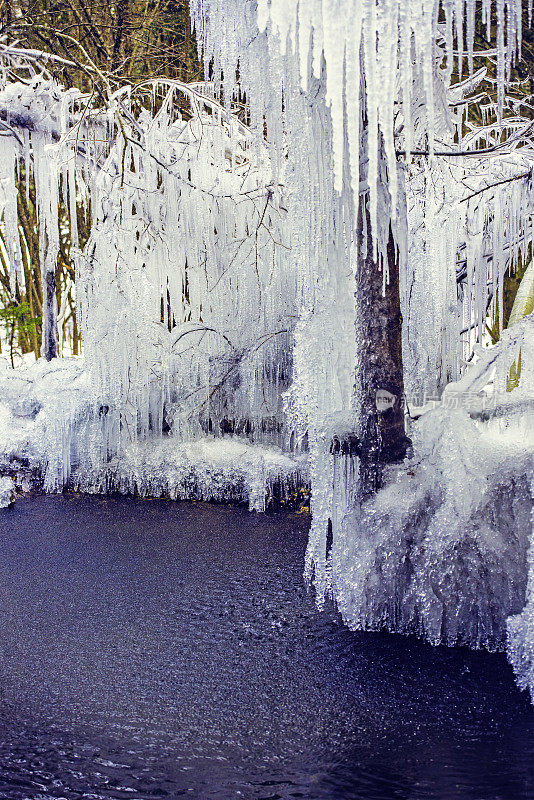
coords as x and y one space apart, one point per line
151 649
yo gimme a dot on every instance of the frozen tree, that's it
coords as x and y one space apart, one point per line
184 265
402 202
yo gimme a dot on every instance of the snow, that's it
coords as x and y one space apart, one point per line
7 492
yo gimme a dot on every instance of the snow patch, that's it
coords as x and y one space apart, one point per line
7 492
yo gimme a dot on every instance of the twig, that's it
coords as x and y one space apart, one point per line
499 183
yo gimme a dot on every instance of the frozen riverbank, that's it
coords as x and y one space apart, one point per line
443 550
54 434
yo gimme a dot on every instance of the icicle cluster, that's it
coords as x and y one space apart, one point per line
187 301
186 255
470 223
394 46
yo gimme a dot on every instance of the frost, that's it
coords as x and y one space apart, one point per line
7 492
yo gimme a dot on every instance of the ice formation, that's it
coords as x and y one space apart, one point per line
7 492
186 302
520 643
441 550
369 84
51 435
217 291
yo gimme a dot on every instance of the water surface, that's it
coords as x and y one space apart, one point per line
151 649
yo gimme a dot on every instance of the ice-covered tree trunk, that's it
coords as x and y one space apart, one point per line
380 431
46 174
379 373
49 348
379 435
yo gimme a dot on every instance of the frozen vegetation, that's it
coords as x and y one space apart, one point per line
51 436
221 308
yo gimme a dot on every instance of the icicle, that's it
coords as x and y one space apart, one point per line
371 90
352 94
470 10
486 13
459 19
8 202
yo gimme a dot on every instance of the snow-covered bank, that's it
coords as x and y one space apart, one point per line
53 431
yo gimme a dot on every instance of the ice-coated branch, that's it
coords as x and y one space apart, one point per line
522 176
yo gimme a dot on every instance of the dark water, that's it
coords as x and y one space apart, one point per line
151 649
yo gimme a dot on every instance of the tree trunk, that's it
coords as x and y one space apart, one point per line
380 436
380 383
49 341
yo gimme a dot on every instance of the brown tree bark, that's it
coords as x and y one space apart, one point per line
380 437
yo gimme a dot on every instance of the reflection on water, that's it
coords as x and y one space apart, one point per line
151 649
